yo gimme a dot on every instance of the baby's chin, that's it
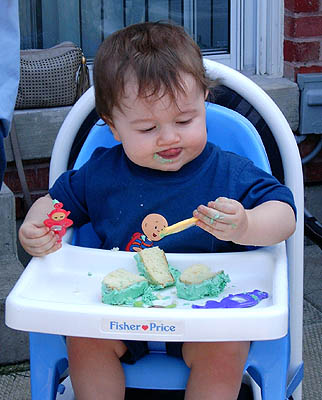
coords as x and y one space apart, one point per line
160 165
173 166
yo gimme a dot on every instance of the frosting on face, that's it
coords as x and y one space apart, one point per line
160 159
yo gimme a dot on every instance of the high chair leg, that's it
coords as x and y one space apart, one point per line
270 372
48 361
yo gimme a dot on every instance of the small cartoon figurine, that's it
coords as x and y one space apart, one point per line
58 221
152 225
240 300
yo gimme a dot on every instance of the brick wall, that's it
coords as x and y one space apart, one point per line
303 37
303 54
37 174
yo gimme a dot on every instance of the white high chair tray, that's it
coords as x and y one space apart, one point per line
60 294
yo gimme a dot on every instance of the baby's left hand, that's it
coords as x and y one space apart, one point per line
226 219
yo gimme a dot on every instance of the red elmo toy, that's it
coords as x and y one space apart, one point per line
58 221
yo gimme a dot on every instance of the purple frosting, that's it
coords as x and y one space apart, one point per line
240 300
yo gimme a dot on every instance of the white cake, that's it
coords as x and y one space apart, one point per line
153 264
198 281
121 286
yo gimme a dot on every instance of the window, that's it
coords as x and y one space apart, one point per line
230 31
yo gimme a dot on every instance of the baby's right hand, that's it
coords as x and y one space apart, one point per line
37 239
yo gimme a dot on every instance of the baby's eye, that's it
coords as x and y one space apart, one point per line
147 129
185 122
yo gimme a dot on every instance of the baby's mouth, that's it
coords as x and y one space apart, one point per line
170 153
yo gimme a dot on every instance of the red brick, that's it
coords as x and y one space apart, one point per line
301 51
308 69
36 172
11 179
289 26
303 26
20 207
298 6
37 176
312 171
291 71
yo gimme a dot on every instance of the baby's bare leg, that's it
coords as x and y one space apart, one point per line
216 369
95 369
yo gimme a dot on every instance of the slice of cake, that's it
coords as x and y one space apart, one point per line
199 281
152 263
122 287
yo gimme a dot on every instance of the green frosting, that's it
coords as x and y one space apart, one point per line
161 159
144 272
174 272
210 287
124 296
148 296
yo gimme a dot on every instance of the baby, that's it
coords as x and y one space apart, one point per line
150 88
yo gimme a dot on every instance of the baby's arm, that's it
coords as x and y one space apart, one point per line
35 237
264 225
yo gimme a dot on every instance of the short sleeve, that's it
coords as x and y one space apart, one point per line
254 187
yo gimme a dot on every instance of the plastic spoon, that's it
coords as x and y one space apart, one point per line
178 227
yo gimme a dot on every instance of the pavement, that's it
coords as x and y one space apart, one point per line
14 379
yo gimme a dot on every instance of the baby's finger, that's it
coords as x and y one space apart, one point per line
32 231
42 253
34 238
219 230
211 216
45 241
214 230
225 205
45 249
53 248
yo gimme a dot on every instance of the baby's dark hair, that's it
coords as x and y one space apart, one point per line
155 53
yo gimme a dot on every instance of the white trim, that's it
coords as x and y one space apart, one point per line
261 19
241 36
275 39
249 36
269 43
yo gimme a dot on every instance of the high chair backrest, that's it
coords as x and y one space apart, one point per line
225 128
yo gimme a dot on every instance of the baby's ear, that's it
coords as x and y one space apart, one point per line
115 133
109 122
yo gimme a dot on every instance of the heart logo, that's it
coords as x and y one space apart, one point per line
145 327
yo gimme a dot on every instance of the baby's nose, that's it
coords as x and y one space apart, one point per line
168 135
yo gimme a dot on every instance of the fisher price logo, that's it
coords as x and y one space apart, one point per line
146 327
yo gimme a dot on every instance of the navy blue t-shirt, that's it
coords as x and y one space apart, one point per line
115 195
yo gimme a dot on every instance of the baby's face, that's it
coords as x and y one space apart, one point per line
158 134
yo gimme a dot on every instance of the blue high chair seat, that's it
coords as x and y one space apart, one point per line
275 365
223 125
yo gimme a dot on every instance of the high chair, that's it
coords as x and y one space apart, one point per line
275 365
